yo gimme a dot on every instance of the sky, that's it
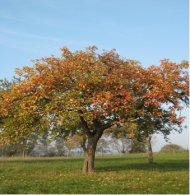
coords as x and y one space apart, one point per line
143 30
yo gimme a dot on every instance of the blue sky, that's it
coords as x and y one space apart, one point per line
144 30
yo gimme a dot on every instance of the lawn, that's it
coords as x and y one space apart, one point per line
114 174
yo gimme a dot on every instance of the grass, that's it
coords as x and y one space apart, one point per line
127 174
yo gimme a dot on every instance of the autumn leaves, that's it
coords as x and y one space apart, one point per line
103 86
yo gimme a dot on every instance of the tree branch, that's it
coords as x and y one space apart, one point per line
106 126
84 124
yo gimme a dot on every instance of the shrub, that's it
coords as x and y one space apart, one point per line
172 148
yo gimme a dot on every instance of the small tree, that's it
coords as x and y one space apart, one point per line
103 145
60 146
160 99
75 141
137 147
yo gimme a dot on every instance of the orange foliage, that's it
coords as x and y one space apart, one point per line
104 87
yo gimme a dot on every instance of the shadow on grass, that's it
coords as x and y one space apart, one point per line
121 158
65 159
160 166
107 164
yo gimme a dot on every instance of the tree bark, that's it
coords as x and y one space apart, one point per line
90 155
149 149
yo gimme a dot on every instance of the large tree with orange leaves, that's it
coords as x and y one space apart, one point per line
86 92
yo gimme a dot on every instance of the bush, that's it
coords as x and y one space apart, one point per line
172 148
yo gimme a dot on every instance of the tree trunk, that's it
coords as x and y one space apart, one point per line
90 155
23 153
93 138
149 149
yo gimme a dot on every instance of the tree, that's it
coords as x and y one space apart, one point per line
75 141
122 145
60 146
81 91
137 147
120 138
123 141
103 145
87 92
159 101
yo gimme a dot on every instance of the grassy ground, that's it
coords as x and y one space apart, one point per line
114 174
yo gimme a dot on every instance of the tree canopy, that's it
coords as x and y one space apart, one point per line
88 92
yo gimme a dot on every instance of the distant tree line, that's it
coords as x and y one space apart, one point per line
72 146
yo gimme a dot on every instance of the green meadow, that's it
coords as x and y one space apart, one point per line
116 174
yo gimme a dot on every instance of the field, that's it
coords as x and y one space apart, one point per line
114 174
